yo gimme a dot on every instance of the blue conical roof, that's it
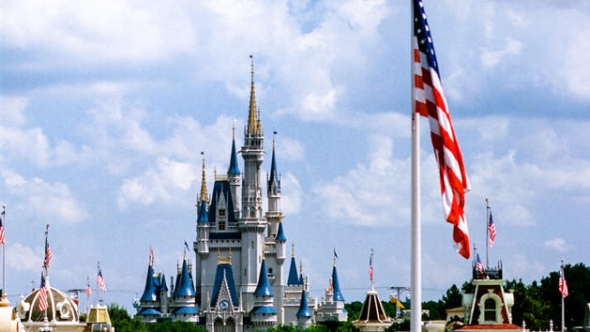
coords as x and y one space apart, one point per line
303 306
149 293
274 174
281 234
337 294
293 279
234 169
203 217
263 287
184 286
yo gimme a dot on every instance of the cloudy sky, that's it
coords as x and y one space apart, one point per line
105 107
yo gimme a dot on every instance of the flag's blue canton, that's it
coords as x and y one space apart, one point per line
422 33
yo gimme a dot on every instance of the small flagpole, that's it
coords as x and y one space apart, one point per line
416 274
97 287
4 294
562 275
487 232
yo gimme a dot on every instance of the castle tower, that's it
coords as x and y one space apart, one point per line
201 246
331 309
252 223
263 315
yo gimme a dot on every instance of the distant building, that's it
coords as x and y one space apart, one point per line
8 321
240 254
489 307
373 317
61 313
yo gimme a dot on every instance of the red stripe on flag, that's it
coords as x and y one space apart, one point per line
430 102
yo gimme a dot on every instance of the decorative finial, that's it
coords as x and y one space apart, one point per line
292 249
204 180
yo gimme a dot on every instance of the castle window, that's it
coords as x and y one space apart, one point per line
222 212
221 225
489 312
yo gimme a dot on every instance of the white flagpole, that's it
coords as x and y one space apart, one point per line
4 294
562 275
416 274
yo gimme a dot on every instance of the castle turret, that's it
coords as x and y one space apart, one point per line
234 175
202 216
263 315
273 189
304 315
293 279
331 309
149 306
184 296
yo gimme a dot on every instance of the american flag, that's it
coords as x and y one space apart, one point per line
491 230
562 283
479 265
100 281
48 254
43 304
88 290
371 266
2 228
430 102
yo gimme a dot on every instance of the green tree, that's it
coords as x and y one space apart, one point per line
453 298
121 320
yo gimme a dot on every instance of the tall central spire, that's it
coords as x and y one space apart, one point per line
253 121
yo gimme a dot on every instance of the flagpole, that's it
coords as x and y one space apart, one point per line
487 232
4 294
562 275
416 274
97 287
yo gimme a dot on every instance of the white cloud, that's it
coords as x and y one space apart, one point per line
98 30
42 199
490 58
163 182
291 194
12 109
371 194
558 244
22 258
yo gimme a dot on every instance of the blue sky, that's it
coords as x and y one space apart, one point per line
105 107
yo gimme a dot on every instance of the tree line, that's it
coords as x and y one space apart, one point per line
535 304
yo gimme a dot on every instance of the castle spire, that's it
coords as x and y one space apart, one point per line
253 122
234 168
203 196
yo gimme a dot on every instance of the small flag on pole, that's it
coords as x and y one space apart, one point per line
430 102
88 290
2 227
562 283
479 265
151 255
100 281
491 230
48 254
43 304
371 266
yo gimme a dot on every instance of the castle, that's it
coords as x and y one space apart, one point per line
240 255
